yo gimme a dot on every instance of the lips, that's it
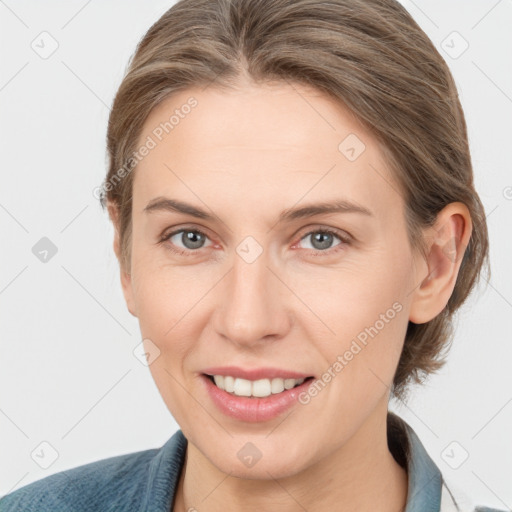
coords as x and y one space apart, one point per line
253 409
255 373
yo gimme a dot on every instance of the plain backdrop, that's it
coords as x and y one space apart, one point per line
71 389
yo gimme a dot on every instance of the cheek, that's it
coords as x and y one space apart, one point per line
353 297
161 292
165 306
160 299
171 304
360 359
364 318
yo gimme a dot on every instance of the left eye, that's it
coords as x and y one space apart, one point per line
322 240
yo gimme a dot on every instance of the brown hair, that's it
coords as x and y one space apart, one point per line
368 54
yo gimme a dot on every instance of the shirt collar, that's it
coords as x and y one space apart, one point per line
424 477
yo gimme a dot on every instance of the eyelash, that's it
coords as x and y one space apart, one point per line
345 240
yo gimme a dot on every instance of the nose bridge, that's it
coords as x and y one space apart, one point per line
250 308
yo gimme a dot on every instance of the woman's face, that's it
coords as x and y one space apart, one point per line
262 287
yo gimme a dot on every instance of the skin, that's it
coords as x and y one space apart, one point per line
245 156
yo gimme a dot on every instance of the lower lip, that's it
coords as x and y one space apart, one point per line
254 409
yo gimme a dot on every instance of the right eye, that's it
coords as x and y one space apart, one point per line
192 240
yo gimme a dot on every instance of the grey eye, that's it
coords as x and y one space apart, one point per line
321 240
190 239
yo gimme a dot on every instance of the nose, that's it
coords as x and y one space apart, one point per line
252 304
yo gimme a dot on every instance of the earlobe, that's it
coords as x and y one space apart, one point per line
447 241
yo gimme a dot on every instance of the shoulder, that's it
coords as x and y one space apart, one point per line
487 509
454 499
102 485
427 487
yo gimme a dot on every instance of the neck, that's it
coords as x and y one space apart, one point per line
361 475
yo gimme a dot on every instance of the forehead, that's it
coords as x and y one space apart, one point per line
278 141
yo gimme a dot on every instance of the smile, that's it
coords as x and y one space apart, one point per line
259 400
254 388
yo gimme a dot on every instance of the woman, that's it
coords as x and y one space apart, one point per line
296 223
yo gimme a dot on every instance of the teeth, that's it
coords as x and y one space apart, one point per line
289 383
229 384
277 385
255 388
261 388
243 387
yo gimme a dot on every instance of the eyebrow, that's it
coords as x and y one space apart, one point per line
337 206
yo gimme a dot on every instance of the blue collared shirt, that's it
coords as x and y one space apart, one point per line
146 481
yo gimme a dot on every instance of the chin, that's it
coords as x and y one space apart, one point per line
244 460
268 470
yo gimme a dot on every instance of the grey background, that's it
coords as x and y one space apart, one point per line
68 376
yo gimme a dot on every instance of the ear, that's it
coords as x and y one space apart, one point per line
126 279
447 241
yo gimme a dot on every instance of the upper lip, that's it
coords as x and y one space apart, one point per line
255 373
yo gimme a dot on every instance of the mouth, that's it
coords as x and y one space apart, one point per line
260 388
266 395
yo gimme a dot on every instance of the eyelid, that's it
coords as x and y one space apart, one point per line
167 233
343 235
